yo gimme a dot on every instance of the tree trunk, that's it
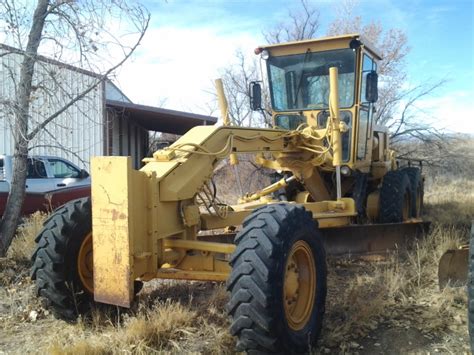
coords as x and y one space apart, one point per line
11 216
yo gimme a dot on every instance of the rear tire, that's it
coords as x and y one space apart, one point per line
395 197
278 281
417 193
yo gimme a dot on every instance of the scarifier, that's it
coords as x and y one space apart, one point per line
340 191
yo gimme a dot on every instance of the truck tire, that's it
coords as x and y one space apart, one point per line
417 193
278 281
62 261
395 197
470 289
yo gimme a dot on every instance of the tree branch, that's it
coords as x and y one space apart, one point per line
80 96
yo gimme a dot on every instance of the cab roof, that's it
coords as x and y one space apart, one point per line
327 43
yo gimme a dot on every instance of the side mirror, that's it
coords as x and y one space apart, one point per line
371 89
83 174
255 93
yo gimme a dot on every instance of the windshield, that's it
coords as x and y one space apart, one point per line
301 81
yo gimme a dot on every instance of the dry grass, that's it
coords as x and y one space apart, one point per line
450 201
159 324
16 290
24 243
399 292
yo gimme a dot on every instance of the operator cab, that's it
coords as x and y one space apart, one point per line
298 78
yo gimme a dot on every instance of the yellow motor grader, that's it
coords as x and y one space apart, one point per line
341 191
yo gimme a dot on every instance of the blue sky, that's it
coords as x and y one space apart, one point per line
189 42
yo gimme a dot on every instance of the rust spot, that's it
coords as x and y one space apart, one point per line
117 215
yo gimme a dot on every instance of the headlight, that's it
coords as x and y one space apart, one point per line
345 170
265 55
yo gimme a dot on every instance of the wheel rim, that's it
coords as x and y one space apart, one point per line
299 287
85 264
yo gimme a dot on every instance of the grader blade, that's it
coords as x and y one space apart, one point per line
357 240
452 268
371 238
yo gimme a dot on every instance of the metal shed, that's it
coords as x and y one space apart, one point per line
128 125
103 122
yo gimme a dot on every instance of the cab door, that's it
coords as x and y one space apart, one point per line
364 150
65 174
37 178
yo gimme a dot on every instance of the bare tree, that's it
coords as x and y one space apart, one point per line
301 24
95 35
236 79
397 105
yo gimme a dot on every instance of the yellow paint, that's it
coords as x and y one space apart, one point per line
198 245
113 233
334 116
300 284
320 44
265 191
85 265
192 275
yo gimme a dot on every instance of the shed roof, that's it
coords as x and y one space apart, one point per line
160 119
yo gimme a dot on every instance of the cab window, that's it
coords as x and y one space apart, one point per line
365 113
61 169
36 169
368 65
289 122
346 117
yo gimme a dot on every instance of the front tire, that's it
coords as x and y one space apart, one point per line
65 235
278 281
62 261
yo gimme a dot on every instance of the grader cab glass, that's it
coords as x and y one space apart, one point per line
298 81
301 82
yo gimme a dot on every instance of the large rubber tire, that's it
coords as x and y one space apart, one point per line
395 197
470 289
55 259
256 283
417 190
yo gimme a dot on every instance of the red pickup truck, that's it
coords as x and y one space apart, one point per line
50 182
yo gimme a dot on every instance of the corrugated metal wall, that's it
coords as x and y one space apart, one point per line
125 137
78 133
